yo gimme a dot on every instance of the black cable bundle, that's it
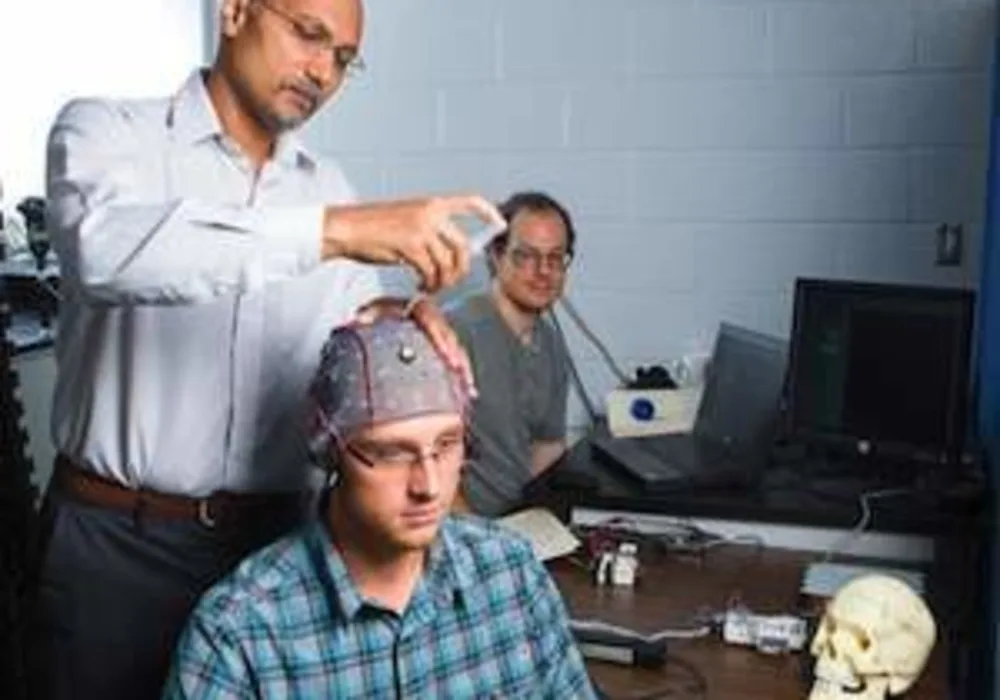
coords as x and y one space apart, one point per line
18 529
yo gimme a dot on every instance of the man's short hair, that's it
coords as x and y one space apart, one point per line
532 201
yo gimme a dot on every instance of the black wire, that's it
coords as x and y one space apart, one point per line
697 684
574 372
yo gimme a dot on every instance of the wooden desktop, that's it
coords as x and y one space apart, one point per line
958 520
673 590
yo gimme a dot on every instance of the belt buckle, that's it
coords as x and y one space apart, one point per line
205 516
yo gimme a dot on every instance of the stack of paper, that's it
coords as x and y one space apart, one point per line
549 537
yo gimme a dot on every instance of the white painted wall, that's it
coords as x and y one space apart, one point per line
711 150
52 50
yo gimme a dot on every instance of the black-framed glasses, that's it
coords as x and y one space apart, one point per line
313 37
524 256
447 451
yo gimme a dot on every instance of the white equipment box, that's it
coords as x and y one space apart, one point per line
640 412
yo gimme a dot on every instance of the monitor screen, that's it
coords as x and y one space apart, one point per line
743 387
880 369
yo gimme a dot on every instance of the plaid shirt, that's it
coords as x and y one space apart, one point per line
485 620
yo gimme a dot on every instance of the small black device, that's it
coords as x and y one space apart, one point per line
879 372
627 650
33 210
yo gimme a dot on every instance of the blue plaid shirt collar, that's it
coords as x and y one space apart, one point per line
448 577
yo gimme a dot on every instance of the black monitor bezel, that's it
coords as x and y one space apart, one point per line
872 446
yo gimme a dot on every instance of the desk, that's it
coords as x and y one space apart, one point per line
783 494
673 590
959 521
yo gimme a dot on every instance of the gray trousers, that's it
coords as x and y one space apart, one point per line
114 590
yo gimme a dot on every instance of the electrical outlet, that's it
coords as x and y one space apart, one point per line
949 240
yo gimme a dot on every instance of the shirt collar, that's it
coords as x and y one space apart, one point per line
193 119
340 588
451 563
448 576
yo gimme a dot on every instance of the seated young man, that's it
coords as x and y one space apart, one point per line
386 594
520 361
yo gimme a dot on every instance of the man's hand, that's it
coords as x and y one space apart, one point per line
419 232
433 322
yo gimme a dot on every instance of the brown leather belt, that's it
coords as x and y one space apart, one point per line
221 508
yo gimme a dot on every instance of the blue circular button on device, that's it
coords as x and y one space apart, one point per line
642 409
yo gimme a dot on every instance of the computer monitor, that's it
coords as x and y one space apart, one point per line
743 389
879 370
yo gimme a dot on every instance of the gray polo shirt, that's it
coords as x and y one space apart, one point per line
522 399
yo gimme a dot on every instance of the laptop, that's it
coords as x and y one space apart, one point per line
737 420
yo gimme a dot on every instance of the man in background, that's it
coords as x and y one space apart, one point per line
519 360
386 595
205 252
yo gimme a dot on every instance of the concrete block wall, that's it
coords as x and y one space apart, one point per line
710 150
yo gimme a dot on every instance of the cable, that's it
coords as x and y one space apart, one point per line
595 625
696 686
865 519
737 540
47 286
574 372
677 536
592 337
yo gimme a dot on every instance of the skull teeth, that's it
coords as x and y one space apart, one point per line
844 683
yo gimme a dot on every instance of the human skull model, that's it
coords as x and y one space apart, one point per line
873 641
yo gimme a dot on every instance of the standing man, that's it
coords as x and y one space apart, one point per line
386 595
205 252
519 360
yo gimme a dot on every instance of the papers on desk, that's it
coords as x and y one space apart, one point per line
549 537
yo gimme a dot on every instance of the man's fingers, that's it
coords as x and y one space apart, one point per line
440 256
421 261
466 372
457 245
438 331
479 207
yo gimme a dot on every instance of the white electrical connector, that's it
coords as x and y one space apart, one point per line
770 634
625 568
618 568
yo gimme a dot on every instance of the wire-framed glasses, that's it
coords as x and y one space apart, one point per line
447 451
314 38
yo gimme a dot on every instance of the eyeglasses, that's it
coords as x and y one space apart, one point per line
447 452
316 39
525 256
